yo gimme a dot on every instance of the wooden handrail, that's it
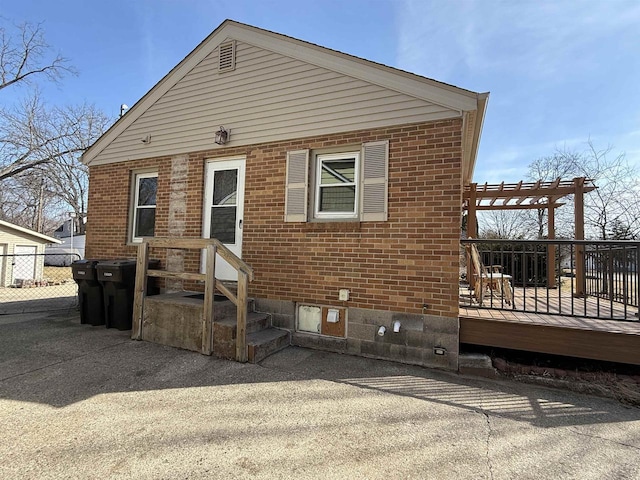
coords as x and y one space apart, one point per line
198 277
212 248
194 243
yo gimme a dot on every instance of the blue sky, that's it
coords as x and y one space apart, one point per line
559 72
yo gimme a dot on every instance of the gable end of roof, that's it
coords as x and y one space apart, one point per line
449 96
26 231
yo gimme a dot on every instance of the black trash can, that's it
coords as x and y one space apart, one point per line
89 292
118 279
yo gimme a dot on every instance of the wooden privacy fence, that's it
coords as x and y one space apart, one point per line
212 248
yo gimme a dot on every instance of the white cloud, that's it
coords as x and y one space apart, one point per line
537 38
559 72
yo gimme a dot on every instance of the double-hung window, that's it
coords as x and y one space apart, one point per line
337 185
144 206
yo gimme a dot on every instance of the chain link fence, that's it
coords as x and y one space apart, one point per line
32 283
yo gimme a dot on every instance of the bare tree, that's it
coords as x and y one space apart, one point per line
68 177
25 55
507 224
41 178
25 201
616 200
562 164
32 135
40 149
612 204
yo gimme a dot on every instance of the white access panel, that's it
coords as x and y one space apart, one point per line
309 319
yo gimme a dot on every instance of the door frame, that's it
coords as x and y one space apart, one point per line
211 166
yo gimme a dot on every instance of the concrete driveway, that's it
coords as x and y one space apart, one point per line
85 402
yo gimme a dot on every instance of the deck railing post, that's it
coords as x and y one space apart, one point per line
551 249
140 290
636 277
241 331
209 293
579 229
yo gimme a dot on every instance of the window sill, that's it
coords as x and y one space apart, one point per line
333 226
131 243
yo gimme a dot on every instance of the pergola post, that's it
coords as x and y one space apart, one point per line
525 196
472 225
579 222
551 251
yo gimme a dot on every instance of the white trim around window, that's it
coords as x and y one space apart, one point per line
337 189
143 206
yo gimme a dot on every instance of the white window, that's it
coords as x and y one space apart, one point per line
344 186
336 193
144 206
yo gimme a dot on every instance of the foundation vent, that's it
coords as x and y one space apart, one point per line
227 56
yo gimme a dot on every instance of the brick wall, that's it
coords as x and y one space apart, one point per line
398 265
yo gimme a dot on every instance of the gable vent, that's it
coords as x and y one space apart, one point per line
227 57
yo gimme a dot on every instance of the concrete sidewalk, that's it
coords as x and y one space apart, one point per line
85 402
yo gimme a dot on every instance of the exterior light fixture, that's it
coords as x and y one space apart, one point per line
123 108
222 136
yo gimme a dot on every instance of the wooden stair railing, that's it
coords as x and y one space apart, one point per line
212 248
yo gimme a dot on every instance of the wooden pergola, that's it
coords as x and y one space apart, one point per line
528 196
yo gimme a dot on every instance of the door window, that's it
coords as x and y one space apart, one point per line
224 208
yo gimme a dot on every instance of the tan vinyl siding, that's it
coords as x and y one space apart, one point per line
268 97
18 238
9 238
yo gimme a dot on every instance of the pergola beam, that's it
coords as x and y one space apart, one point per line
535 206
524 194
545 192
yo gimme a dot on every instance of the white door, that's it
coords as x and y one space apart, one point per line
223 209
24 262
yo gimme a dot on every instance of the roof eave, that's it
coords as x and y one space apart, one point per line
472 144
31 233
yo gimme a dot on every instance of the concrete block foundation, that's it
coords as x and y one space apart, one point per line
426 340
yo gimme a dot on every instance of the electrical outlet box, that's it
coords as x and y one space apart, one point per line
439 350
343 295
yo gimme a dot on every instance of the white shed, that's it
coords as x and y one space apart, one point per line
21 253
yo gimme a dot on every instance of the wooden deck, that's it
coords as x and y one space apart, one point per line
577 336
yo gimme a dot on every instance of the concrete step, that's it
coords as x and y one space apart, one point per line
256 321
265 342
225 332
477 364
222 307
